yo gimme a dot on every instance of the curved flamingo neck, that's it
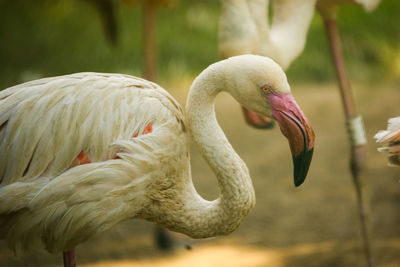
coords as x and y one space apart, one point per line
285 38
237 31
237 196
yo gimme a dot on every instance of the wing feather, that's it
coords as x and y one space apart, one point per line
50 121
391 136
47 123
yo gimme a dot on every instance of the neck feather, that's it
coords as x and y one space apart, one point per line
237 31
286 37
237 197
259 11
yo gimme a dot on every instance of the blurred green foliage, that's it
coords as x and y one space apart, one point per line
53 37
371 45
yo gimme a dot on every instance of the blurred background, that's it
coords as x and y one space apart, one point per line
314 225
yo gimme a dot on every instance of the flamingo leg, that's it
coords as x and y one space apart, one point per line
358 148
149 21
163 239
69 258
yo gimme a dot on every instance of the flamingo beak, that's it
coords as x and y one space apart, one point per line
297 129
256 120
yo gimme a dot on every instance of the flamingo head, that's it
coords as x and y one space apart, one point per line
261 86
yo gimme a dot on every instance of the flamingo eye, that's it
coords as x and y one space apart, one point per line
266 89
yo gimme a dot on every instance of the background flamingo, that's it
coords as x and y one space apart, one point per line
283 41
244 28
353 118
96 149
391 136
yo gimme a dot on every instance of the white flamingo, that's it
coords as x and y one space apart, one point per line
283 40
238 35
82 152
391 136
244 28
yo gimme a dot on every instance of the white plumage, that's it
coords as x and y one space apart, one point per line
391 136
368 5
47 123
246 26
78 155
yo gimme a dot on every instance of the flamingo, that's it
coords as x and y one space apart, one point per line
238 35
284 41
244 28
391 136
328 10
83 152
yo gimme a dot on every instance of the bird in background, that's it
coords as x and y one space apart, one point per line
368 5
391 138
244 28
248 26
237 35
80 153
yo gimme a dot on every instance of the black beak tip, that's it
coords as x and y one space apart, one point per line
301 164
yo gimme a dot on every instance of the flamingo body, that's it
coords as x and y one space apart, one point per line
368 5
391 136
82 152
50 127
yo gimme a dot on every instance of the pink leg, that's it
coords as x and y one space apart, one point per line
358 151
69 258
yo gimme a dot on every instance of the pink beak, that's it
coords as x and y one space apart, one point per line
297 129
256 120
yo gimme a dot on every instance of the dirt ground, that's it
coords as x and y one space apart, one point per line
313 225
